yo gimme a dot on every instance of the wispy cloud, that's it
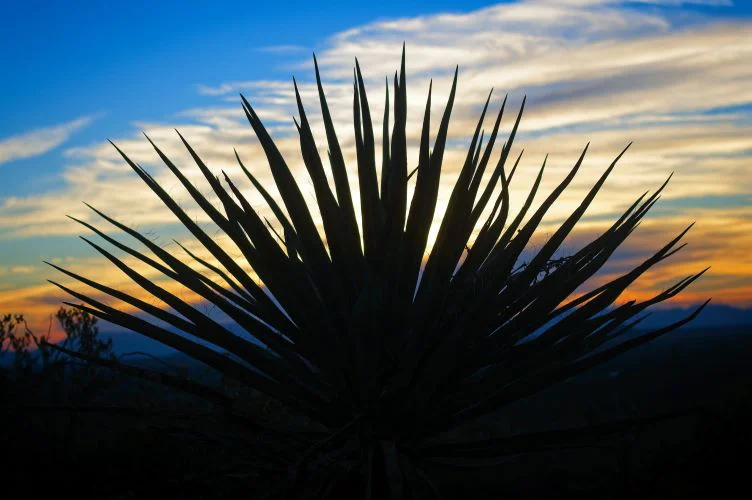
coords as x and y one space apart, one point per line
592 70
672 3
282 49
710 3
39 141
17 270
233 87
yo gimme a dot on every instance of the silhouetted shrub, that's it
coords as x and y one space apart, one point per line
388 345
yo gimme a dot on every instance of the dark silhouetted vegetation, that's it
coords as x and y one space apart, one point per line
135 439
38 368
382 353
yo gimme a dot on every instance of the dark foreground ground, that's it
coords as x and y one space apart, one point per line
149 447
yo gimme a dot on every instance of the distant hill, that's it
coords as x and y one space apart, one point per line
713 317
127 341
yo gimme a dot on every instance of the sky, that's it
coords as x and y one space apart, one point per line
673 76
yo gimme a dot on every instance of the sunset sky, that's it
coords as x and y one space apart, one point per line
673 76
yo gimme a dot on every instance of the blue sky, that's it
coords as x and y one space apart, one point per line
122 61
669 74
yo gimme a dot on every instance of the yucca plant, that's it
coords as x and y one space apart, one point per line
387 344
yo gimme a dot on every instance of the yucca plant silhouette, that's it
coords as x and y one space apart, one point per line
388 344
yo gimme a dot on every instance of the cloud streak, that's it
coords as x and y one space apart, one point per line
282 49
40 141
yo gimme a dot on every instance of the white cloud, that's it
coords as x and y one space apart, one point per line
17 270
672 3
39 141
234 87
676 3
592 70
22 269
